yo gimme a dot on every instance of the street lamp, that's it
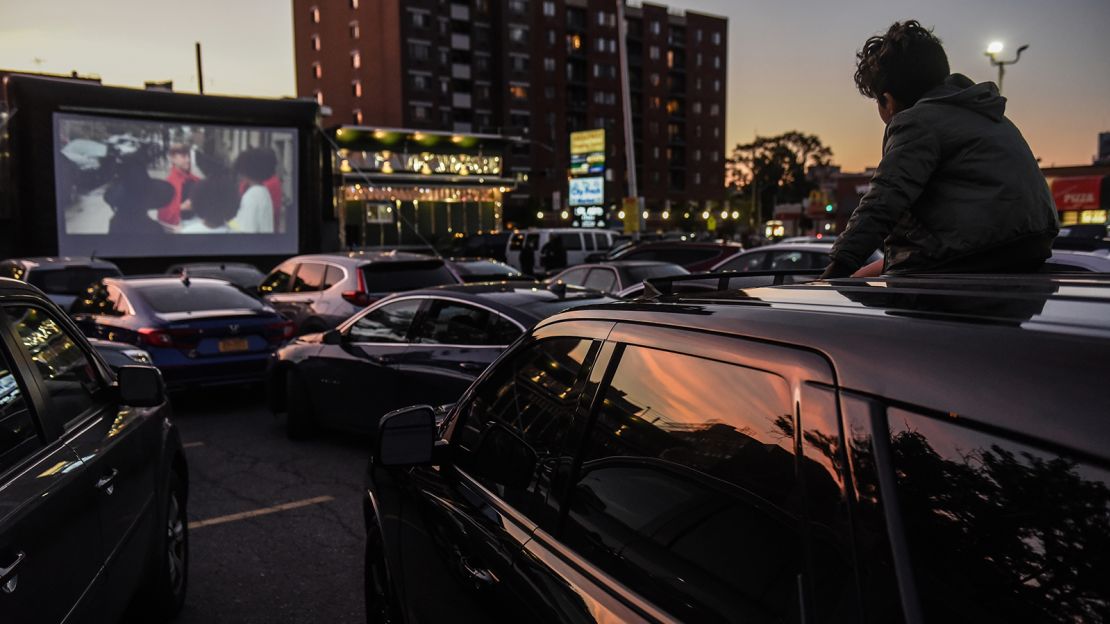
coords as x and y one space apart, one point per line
993 50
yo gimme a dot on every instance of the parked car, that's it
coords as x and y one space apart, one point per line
487 245
577 242
425 345
63 279
318 292
471 270
1067 261
245 276
93 480
198 331
782 257
117 354
617 275
920 449
694 256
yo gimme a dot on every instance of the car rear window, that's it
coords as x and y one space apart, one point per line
485 267
399 276
197 297
641 273
68 281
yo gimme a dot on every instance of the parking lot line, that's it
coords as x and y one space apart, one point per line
243 515
192 444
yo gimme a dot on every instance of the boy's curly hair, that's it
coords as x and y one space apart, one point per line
906 62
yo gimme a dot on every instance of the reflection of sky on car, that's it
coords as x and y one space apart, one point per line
9 389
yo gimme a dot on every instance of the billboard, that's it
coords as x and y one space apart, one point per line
587 191
134 187
587 152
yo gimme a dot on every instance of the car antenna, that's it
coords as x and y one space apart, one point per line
559 289
185 277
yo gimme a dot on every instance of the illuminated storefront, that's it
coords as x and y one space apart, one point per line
402 187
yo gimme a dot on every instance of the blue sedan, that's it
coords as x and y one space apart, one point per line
198 331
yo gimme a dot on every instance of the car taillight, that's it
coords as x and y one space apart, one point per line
155 337
282 330
356 297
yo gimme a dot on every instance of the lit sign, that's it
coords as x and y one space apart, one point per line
587 191
423 163
587 152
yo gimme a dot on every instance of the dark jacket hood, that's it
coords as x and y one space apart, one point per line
959 90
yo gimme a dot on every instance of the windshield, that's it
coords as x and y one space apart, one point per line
197 297
641 273
399 276
485 267
67 281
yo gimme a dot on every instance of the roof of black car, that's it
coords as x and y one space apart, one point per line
631 263
356 258
1022 353
64 261
513 297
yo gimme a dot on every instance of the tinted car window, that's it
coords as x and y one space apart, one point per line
687 488
399 276
450 322
575 277
675 256
197 297
525 408
94 301
601 241
278 280
69 280
1000 531
10 269
309 278
16 426
641 273
70 377
746 262
572 241
601 279
785 260
333 276
389 323
516 242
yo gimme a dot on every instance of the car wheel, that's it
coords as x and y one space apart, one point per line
163 596
299 422
375 582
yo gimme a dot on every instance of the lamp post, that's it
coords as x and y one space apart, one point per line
993 50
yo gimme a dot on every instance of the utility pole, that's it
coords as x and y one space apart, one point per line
626 112
200 71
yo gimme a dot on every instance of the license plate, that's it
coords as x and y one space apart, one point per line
228 345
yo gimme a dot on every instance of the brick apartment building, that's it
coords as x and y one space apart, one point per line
538 69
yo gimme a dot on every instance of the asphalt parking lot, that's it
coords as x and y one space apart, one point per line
276 533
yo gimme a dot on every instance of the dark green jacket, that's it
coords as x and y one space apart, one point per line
957 190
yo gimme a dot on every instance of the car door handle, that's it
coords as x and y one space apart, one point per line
107 482
9 575
480 576
472 366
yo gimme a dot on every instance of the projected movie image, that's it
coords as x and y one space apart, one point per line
130 187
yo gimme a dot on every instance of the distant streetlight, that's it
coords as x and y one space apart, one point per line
993 50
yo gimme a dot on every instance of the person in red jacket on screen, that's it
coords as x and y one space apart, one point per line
180 177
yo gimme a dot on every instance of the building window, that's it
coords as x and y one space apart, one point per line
314 13
654 79
613 46
653 53
353 29
716 133
716 38
354 4
419 51
653 128
518 92
601 44
714 110
549 92
670 58
697 35
444 86
315 42
420 112
716 86
319 96
549 64
697 178
656 27
695 108
549 8
697 131
517 7
655 102
356 59
419 20
716 62
574 42
518 34
420 83
317 70
655 153
714 156
356 116
697 155
551 38
697 59
356 88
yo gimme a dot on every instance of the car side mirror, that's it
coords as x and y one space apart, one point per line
504 457
333 337
140 386
406 437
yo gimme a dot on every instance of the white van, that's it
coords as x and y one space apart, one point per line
578 243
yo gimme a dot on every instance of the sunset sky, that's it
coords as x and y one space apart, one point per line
790 63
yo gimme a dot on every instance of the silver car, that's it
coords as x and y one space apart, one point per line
317 292
782 257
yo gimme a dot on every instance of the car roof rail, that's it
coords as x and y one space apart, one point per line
657 286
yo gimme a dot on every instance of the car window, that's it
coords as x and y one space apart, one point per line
572 241
525 408
333 276
93 301
68 280
588 242
786 260
197 297
574 277
640 273
516 241
69 375
604 280
278 280
687 486
454 323
388 323
681 256
532 241
309 277
10 270
390 277
1000 531
745 262
118 305
601 241
18 435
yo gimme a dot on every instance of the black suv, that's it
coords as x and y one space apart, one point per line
93 482
901 449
